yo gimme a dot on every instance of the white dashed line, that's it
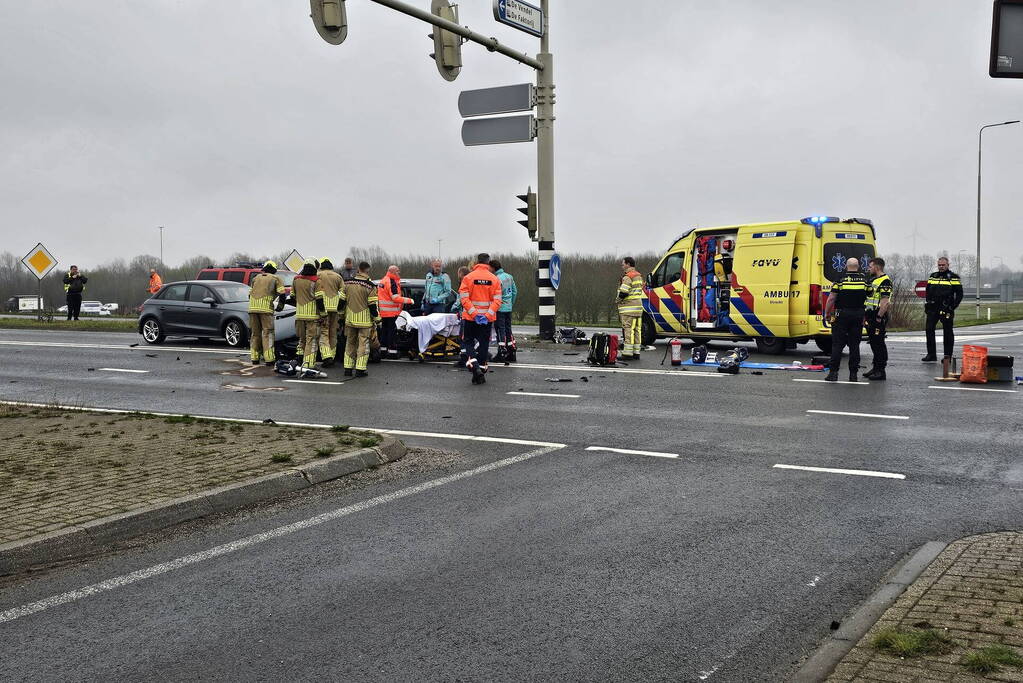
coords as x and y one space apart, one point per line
880 417
1001 391
140 372
858 473
858 384
534 393
249 541
627 451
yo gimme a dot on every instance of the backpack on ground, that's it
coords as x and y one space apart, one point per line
603 349
570 335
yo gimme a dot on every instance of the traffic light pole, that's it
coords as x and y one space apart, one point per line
545 179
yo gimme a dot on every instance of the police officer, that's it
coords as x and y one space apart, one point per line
878 298
630 308
266 287
848 302
944 294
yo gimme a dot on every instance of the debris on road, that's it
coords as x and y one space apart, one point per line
557 379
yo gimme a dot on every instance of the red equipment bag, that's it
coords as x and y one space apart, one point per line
974 364
603 349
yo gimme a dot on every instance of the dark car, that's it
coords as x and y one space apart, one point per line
207 309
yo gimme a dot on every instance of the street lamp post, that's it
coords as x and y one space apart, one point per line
980 140
161 246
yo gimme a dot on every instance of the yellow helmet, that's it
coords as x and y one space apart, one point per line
271 264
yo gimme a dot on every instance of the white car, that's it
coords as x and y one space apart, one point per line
110 307
94 308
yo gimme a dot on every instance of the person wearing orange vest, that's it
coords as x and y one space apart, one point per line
390 302
155 281
480 295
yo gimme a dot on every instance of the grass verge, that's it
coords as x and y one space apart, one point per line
92 325
912 642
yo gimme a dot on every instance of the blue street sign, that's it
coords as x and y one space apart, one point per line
555 270
520 15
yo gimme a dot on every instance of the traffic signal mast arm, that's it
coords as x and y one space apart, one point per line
492 44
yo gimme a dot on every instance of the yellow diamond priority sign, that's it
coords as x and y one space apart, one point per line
294 261
40 261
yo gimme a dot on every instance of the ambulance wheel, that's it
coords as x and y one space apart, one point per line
823 343
770 345
647 334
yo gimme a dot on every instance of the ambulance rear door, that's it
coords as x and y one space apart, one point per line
762 280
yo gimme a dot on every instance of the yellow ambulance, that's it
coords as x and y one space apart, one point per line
765 282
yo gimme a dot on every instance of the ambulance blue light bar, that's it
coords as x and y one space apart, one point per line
818 220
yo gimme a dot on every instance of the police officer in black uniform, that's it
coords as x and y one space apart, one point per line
944 294
848 301
879 296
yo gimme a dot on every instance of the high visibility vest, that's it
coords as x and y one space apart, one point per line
329 283
851 291
360 295
304 291
480 293
265 288
880 288
390 302
632 287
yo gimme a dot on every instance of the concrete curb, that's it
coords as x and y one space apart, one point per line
79 540
822 662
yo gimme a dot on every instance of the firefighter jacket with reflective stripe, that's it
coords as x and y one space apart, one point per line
360 297
265 288
480 293
74 285
303 289
509 291
390 296
944 290
630 293
851 291
329 283
880 288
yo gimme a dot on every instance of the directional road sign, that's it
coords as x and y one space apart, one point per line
40 261
498 130
520 15
500 100
294 261
555 270
1007 40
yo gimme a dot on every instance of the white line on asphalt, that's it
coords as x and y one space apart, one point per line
860 473
124 370
588 369
312 425
627 451
312 381
839 412
1002 391
249 541
535 393
124 347
859 384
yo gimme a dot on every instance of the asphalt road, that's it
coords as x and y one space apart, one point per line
529 557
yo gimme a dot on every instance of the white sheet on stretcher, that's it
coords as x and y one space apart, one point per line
429 325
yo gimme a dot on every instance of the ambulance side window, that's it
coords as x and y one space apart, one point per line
669 271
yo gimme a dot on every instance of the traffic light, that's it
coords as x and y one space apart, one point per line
330 20
447 46
530 210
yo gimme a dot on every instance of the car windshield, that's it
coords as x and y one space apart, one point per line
233 292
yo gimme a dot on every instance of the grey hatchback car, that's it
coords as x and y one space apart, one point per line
206 309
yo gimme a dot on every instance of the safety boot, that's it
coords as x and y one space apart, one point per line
832 376
361 373
853 378
929 359
348 372
877 375
870 374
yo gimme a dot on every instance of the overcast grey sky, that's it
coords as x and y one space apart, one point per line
236 127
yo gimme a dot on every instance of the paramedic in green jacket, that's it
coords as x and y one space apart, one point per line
438 290
505 340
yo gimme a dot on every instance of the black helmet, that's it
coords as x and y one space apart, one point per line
699 354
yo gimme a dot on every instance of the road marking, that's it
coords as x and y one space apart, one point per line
535 393
312 381
249 541
627 451
859 473
587 369
839 412
311 425
859 384
124 347
1002 391
124 370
